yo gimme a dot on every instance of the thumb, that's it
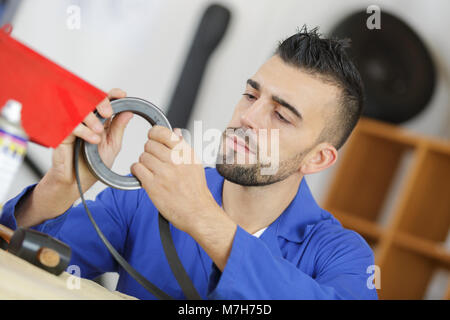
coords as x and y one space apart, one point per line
118 125
177 131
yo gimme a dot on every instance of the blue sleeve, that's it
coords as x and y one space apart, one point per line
111 210
253 272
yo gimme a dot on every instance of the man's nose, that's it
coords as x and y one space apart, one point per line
255 116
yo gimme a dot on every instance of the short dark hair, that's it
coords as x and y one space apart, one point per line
328 59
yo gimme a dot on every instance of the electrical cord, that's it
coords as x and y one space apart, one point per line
150 287
174 261
175 264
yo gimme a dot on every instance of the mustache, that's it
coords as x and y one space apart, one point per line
247 135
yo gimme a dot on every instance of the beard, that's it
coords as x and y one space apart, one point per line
250 174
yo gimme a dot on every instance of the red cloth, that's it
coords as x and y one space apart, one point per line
54 100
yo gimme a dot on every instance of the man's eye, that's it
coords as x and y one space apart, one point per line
279 116
249 96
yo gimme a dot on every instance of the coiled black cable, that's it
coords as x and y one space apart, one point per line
150 287
167 242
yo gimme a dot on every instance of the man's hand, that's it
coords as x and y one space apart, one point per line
57 190
174 179
175 182
107 136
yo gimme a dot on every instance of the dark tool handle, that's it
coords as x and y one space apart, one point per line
28 245
210 32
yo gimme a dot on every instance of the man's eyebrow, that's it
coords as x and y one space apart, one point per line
288 106
277 99
253 84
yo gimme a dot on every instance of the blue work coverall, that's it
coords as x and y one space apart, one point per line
304 254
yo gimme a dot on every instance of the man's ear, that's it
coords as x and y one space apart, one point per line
320 158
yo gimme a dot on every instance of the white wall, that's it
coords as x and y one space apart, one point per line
139 45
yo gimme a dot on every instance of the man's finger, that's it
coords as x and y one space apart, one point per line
164 135
93 123
144 175
151 162
116 93
178 132
157 149
87 134
118 125
104 107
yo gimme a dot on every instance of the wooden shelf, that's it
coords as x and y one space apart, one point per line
369 230
425 212
410 244
447 294
386 131
424 247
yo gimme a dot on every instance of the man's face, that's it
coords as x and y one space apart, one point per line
279 117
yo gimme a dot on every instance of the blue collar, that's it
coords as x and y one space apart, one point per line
297 219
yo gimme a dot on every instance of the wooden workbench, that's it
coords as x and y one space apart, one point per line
22 280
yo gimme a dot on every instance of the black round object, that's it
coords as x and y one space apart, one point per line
396 68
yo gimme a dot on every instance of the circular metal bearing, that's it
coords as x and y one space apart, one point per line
145 109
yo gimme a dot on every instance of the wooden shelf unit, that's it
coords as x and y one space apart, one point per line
410 246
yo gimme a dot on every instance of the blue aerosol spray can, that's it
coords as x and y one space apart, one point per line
13 146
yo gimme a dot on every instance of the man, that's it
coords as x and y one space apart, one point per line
240 234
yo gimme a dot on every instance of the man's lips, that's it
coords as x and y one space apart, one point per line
236 141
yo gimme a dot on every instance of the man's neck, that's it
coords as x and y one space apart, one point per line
254 208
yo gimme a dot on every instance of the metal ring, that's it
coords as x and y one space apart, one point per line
145 109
